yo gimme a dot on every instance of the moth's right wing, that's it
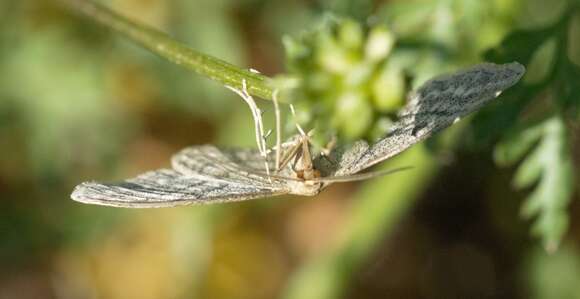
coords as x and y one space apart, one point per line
436 105
201 175
237 164
168 188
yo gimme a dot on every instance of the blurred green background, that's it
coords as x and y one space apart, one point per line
79 102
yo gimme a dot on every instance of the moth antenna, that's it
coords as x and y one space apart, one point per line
273 176
338 179
360 176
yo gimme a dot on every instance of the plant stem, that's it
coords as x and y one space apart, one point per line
174 51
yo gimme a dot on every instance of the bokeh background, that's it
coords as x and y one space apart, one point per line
79 102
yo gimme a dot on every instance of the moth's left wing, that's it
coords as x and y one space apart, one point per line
433 107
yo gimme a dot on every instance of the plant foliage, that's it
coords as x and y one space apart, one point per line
536 118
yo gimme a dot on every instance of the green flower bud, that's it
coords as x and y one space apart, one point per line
351 35
334 60
389 89
331 56
354 114
320 81
359 75
379 43
343 79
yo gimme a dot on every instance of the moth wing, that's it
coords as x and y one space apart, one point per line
436 105
167 188
238 164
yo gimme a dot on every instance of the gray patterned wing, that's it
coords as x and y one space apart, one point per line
208 176
238 164
434 106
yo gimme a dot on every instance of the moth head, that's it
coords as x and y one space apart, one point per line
307 174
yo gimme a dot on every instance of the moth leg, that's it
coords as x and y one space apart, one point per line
297 155
293 111
329 146
258 124
278 128
327 150
330 160
291 154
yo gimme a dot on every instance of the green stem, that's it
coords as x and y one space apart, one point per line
174 51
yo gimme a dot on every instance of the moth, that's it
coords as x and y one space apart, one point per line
208 174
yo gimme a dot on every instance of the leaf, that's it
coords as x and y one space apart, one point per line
550 165
517 143
521 44
528 47
529 172
489 123
542 62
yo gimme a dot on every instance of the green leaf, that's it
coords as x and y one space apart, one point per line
542 63
519 44
517 143
491 121
529 172
550 164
